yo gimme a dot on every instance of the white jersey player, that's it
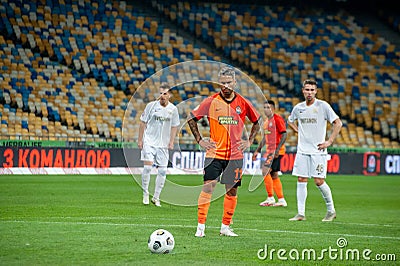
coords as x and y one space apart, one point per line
158 127
311 161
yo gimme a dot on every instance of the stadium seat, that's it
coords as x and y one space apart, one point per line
61 74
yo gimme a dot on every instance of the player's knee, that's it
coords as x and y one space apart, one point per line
302 179
162 171
231 191
146 169
319 181
208 186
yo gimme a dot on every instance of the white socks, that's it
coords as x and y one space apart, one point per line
301 197
160 181
146 179
327 195
201 226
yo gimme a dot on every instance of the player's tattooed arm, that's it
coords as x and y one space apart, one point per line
254 130
195 129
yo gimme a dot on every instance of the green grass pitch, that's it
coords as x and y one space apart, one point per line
100 220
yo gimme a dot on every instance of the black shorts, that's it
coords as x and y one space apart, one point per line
275 164
224 171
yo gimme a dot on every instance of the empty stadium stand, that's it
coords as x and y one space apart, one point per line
356 67
68 69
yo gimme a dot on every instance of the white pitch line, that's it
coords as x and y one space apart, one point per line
213 227
117 218
191 220
360 224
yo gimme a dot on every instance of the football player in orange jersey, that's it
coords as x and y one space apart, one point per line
226 112
274 140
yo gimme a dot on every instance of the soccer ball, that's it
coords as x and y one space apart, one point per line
161 241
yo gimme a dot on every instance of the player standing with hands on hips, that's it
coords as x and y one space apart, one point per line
158 127
311 157
226 112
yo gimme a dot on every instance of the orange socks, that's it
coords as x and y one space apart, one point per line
229 209
269 185
203 205
278 187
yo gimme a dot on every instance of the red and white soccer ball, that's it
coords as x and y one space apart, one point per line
161 242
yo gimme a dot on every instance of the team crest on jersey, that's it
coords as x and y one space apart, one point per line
315 110
238 110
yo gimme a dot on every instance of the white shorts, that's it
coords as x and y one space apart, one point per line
159 156
310 165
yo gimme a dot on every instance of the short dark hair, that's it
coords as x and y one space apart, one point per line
309 82
165 85
227 71
270 102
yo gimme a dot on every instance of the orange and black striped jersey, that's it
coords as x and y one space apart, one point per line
226 120
273 130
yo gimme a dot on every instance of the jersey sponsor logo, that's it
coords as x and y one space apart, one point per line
227 120
308 120
161 118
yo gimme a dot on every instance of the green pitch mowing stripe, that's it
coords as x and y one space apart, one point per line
100 220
